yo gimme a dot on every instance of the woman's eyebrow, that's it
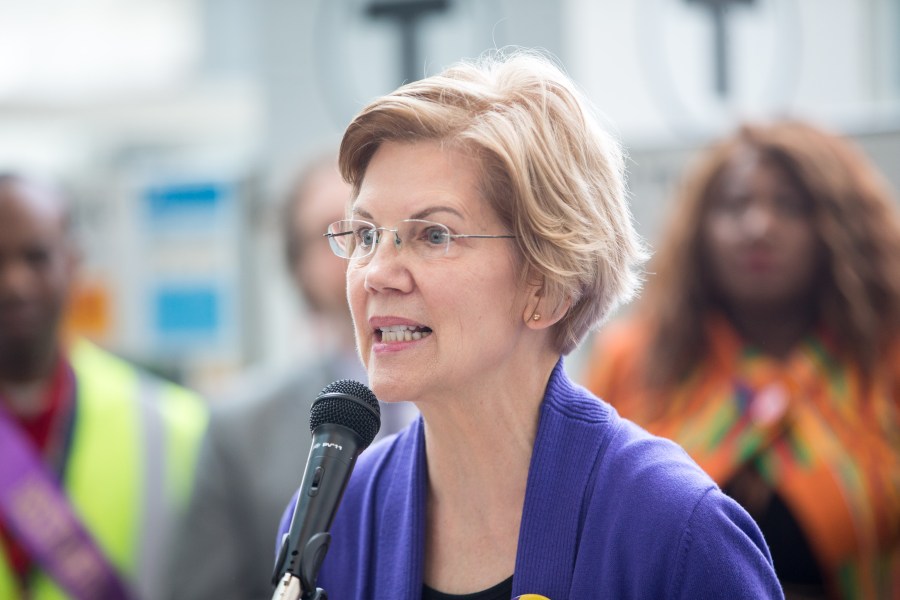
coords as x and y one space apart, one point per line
422 214
360 212
427 212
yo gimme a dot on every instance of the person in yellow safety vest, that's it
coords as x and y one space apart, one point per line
96 456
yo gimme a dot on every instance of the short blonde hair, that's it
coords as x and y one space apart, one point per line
551 172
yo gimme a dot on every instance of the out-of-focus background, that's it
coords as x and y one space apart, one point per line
176 124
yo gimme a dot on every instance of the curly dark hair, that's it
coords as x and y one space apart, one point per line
856 220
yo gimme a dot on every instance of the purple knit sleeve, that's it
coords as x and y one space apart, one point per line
723 554
285 524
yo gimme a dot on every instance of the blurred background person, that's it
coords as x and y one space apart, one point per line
253 456
767 344
96 457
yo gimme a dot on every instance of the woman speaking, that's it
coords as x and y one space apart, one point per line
488 233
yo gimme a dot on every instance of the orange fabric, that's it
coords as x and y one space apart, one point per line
828 444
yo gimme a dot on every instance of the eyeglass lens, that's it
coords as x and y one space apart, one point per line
357 239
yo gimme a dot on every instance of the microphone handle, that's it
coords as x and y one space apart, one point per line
332 457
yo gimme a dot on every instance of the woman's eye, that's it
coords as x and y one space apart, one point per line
731 204
366 237
436 235
792 205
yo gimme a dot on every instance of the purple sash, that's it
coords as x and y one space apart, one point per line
39 516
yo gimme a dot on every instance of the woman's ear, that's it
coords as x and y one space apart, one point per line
541 309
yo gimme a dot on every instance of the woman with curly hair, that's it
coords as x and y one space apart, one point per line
767 344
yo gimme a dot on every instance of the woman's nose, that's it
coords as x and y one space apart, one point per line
386 268
759 219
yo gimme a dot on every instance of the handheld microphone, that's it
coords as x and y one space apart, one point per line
344 420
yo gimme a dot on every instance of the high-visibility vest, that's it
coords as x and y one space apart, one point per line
129 469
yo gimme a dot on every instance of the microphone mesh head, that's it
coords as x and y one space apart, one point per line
348 403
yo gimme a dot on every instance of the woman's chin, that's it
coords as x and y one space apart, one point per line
389 388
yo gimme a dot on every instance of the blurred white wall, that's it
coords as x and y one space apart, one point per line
178 122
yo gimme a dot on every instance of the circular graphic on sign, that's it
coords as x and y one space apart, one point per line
708 62
363 48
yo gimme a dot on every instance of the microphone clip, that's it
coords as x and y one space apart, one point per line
290 586
289 589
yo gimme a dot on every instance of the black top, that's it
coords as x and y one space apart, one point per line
501 591
795 564
792 555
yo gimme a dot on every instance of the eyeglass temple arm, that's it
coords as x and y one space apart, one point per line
467 235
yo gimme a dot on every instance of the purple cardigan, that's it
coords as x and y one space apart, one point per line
610 512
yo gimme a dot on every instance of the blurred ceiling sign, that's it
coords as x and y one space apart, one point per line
718 12
755 59
407 14
357 43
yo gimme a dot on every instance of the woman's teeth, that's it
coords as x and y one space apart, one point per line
403 333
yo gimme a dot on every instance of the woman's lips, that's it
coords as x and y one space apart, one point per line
757 260
402 333
759 263
397 330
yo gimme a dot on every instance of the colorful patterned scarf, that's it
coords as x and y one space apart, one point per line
823 438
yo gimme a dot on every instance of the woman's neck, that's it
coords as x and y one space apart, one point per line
774 332
488 451
487 430
479 452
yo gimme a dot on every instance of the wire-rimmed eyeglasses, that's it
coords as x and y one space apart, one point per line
353 238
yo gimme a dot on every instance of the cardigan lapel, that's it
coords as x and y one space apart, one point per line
401 521
568 439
